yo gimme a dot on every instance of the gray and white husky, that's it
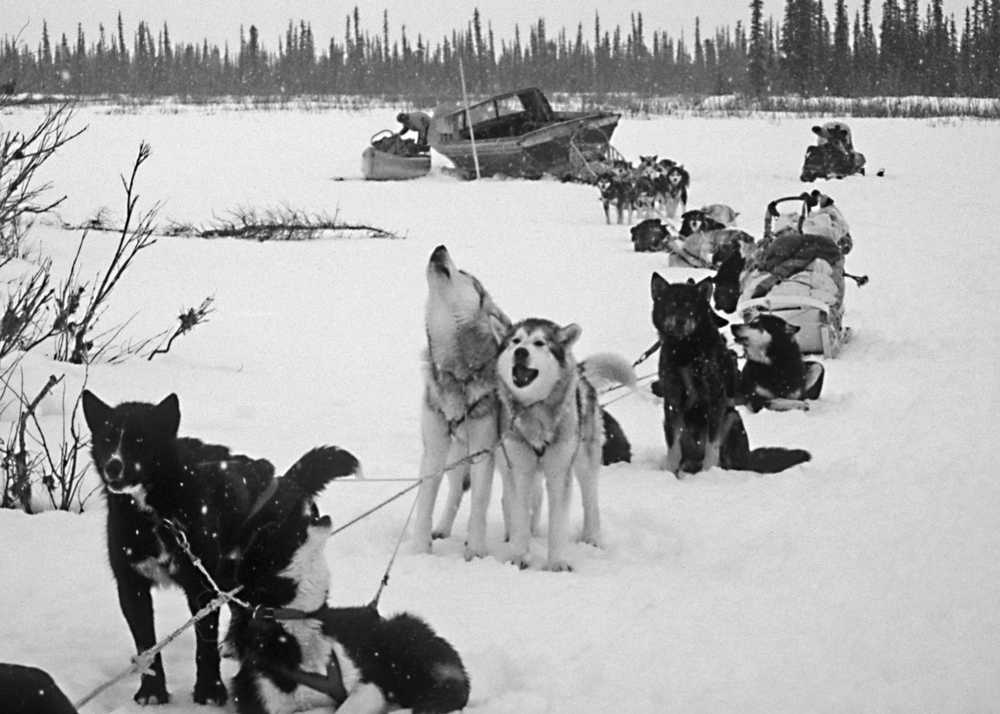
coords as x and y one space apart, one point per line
459 414
551 424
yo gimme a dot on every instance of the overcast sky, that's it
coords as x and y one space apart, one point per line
219 20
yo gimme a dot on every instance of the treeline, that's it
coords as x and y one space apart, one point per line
804 53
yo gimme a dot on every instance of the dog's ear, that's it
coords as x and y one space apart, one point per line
499 326
791 329
95 412
567 336
168 414
657 285
705 287
719 320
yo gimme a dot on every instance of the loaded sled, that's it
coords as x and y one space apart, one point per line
797 272
390 157
833 156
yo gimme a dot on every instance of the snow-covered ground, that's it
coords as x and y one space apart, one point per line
864 581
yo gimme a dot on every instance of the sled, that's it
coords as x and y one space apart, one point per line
833 156
392 158
818 331
812 297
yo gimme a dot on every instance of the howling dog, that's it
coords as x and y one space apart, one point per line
294 650
459 413
775 376
153 479
698 381
551 424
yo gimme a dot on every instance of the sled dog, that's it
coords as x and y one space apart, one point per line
153 478
297 652
29 690
697 380
459 413
551 423
775 375
617 189
672 192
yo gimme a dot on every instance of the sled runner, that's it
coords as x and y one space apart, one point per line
797 272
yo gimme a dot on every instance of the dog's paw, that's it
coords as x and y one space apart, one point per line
152 691
472 553
210 693
521 562
559 566
592 539
420 546
440 534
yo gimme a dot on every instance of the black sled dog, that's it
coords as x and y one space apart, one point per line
295 651
29 690
697 380
775 376
153 479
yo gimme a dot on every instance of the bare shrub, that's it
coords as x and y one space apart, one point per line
21 156
187 321
34 464
77 342
283 224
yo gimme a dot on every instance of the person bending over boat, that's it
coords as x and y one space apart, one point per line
418 122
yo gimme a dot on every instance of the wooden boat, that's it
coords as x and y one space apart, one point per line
519 134
378 164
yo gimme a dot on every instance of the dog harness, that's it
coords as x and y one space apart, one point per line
483 405
332 684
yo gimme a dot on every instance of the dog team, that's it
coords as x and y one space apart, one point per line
498 395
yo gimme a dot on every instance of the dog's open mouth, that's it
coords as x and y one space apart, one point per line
523 375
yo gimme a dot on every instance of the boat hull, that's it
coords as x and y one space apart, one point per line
553 149
379 166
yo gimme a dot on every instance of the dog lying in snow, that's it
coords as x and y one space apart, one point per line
775 375
295 651
29 690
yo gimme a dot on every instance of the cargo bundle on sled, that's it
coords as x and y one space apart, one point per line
833 156
393 158
797 272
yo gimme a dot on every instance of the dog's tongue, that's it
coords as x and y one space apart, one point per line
523 375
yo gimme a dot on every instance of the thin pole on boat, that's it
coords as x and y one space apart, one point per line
468 118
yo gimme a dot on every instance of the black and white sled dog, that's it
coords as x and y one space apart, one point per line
698 382
460 408
295 652
775 376
154 479
551 424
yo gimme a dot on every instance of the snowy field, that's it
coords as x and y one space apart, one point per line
864 581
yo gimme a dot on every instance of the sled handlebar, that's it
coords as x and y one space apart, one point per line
807 200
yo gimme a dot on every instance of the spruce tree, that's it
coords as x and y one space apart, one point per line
757 64
840 66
